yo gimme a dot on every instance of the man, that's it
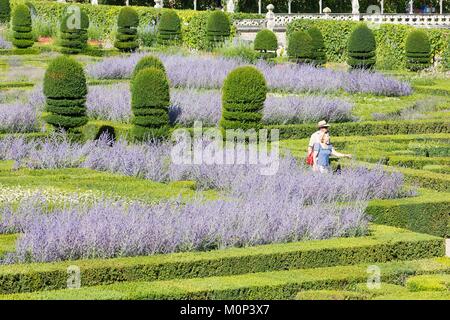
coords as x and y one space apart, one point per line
315 137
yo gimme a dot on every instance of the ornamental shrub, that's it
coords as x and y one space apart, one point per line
5 11
361 48
243 95
150 100
127 23
266 43
65 91
73 33
300 47
21 25
169 28
148 62
418 51
218 28
318 46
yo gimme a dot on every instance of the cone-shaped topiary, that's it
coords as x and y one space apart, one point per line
127 23
318 46
218 28
266 43
74 32
150 100
300 47
65 91
361 48
418 51
169 28
148 62
243 95
21 25
5 11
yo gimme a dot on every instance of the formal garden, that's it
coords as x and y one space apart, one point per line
92 205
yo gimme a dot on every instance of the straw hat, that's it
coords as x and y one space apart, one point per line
323 124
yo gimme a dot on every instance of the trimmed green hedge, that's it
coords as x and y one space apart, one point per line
65 90
21 26
428 213
318 46
127 23
361 48
366 128
382 245
74 40
266 44
390 39
418 51
300 48
5 11
169 28
148 62
218 28
243 94
267 285
150 100
435 282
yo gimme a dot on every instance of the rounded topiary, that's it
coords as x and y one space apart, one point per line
150 100
266 43
218 28
169 28
300 47
127 23
361 48
65 91
148 62
21 25
74 33
5 11
243 95
418 51
318 46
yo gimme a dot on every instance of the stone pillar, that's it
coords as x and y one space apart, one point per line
382 6
320 7
195 4
289 6
159 4
355 6
259 7
270 17
127 2
411 8
441 7
94 2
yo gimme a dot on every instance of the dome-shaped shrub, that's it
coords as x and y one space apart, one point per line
65 91
21 25
217 28
5 11
148 62
150 100
243 95
418 51
127 23
318 46
74 33
300 47
361 48
266 43
169 28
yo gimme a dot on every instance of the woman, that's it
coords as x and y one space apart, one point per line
322 153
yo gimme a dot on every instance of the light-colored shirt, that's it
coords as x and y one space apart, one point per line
323 157
315 138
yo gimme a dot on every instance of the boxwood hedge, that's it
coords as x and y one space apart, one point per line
74 37
361 48
218 28
266 44
5 11
300 47
127 23
169 28
418 51
21 26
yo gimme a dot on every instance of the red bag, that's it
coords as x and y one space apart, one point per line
310 159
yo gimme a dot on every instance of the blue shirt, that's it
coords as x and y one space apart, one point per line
323 157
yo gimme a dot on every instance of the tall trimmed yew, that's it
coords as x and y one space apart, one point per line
127 23
169 28
243 94
65 90
266 44
300 47
5 11
218 28
21 25
362 48
319 55
150 100
418 51
74 32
